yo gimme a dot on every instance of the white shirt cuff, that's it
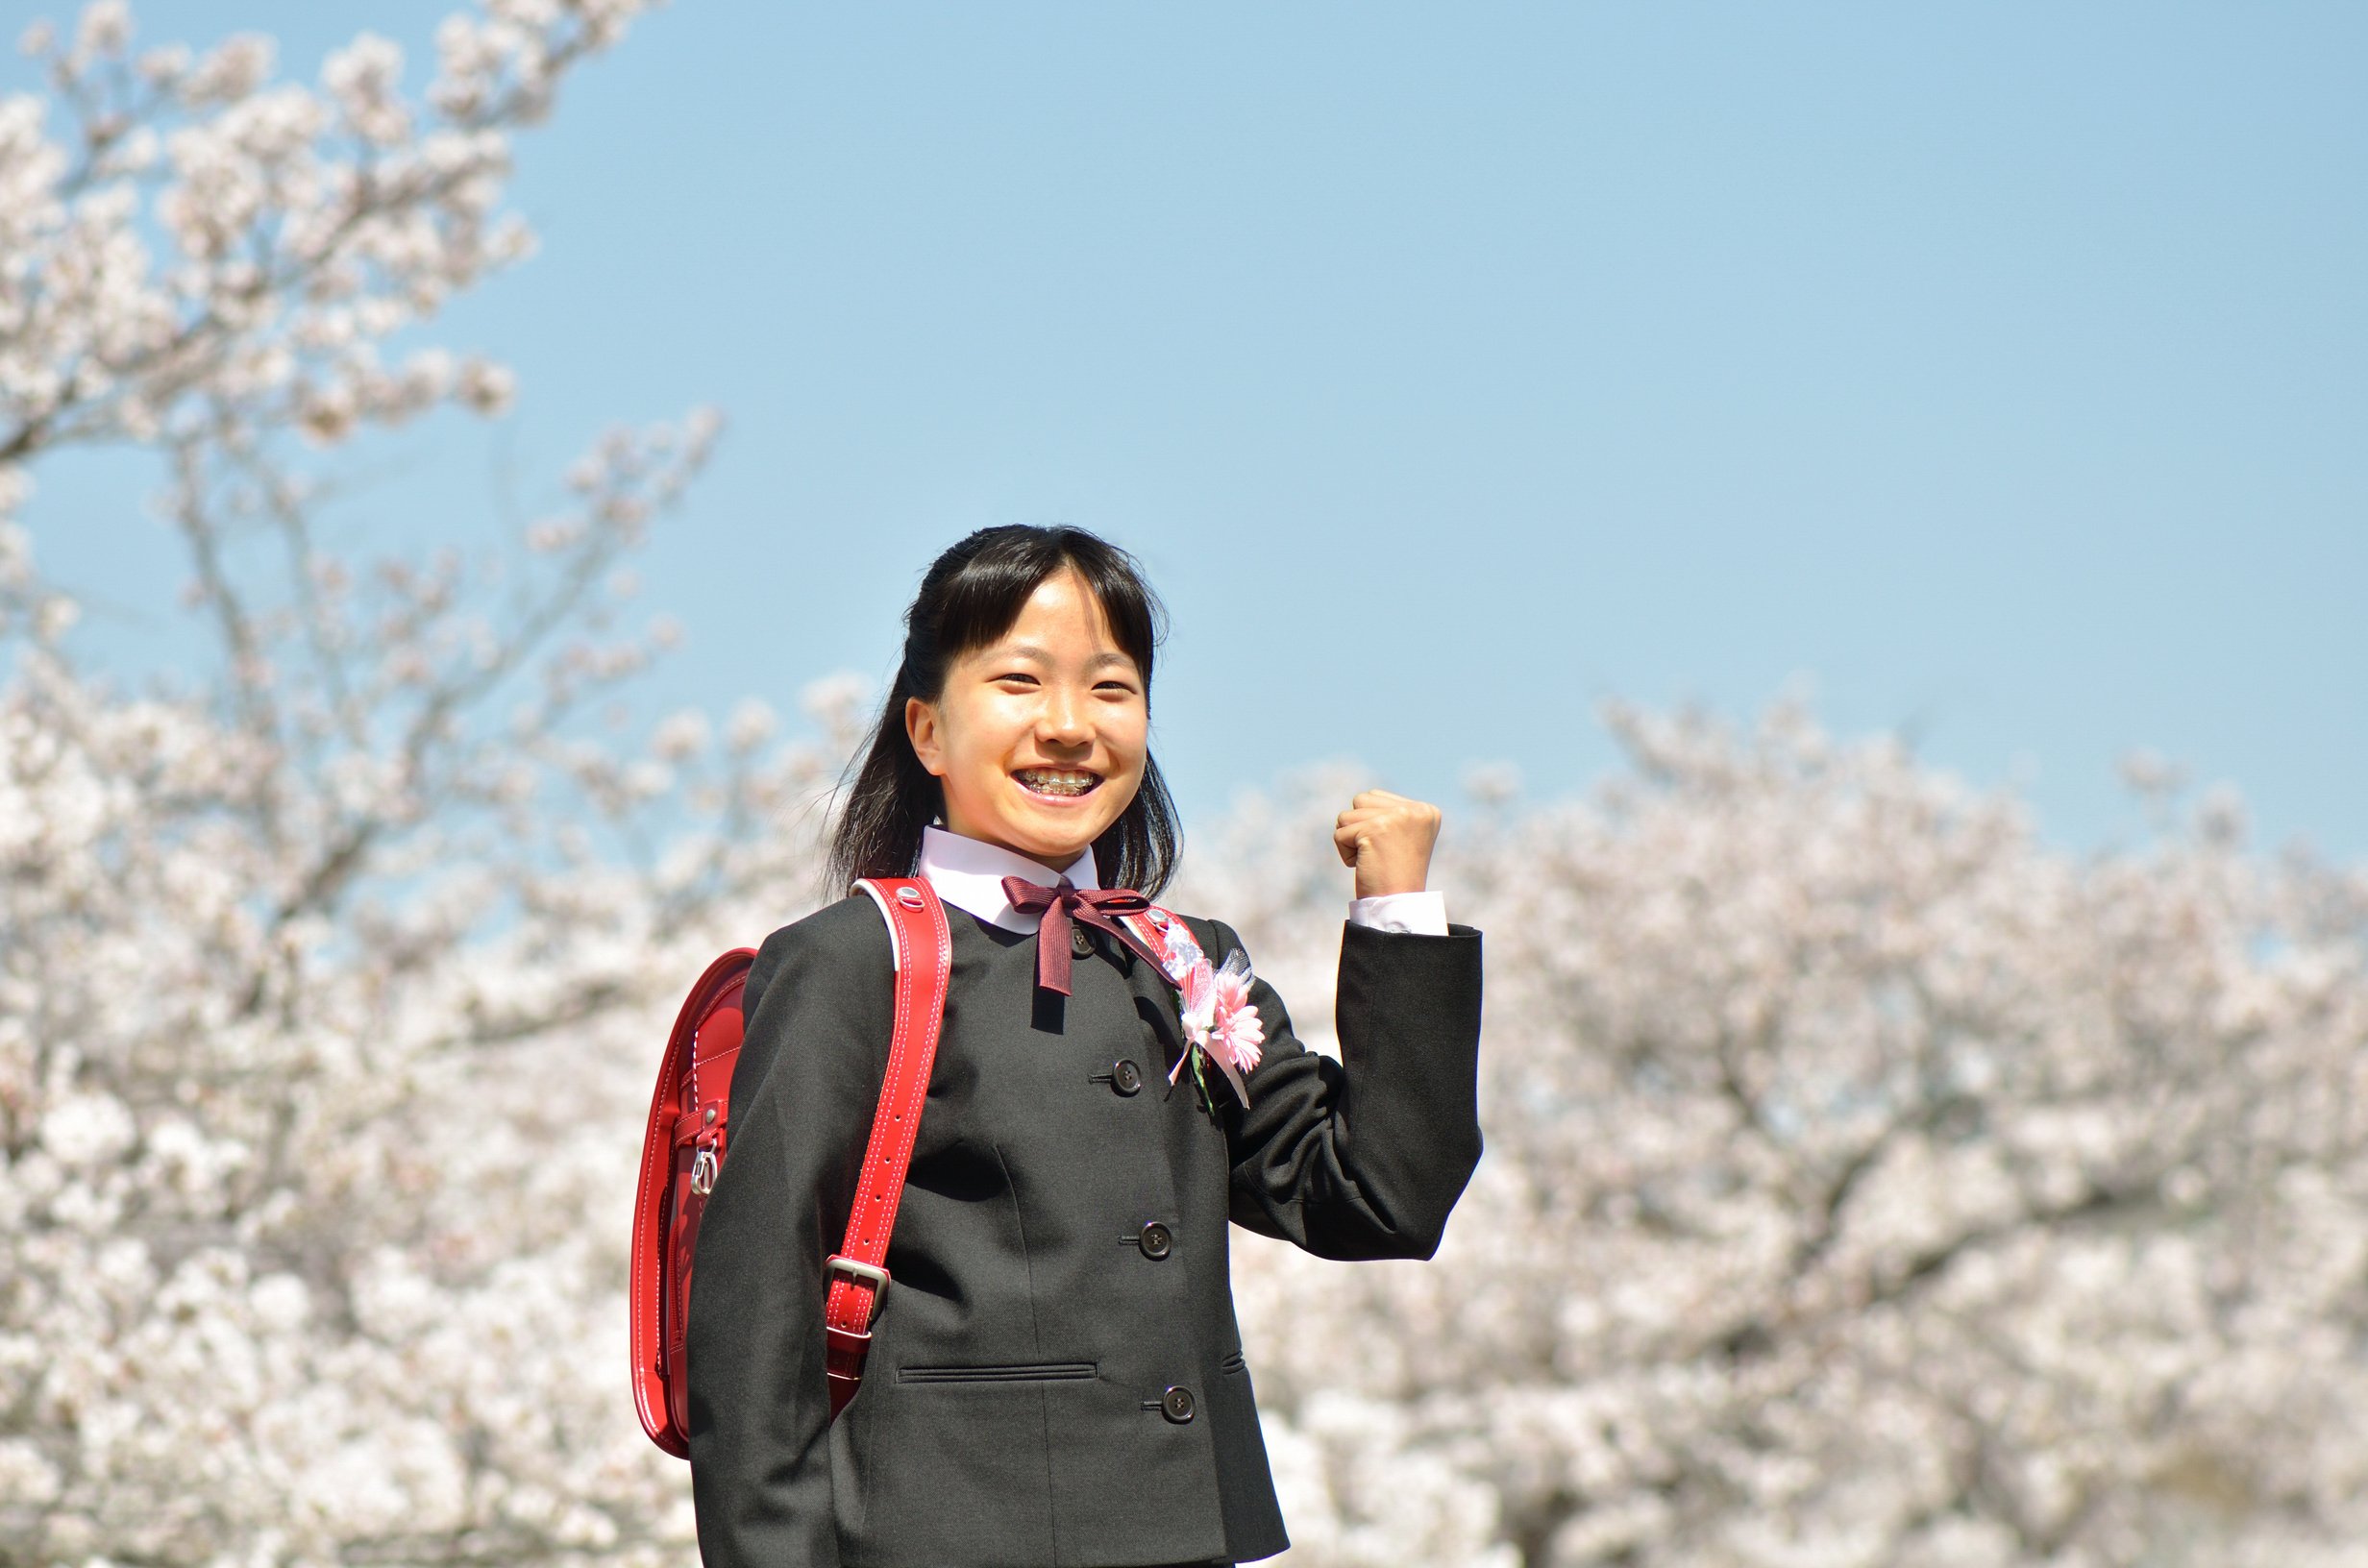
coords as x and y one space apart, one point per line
1421 914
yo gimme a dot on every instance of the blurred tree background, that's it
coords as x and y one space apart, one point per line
1866 1183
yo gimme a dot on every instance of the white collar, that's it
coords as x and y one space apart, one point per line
968 874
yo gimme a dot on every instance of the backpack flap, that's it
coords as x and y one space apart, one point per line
682 1147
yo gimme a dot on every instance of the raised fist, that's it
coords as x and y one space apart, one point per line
1387 838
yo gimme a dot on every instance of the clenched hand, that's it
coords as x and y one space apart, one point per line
1387 838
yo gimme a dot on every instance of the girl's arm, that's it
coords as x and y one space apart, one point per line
1363 1156
803 1095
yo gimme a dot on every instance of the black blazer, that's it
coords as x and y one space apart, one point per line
1056 1374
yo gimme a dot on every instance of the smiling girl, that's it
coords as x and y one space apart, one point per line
1057 1376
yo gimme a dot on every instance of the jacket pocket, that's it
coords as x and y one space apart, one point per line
1022 1372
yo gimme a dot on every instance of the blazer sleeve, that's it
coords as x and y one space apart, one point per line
1363 1156
818 1009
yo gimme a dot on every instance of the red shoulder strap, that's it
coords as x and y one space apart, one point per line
923 951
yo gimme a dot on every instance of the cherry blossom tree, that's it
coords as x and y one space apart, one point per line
1865 1184
326 974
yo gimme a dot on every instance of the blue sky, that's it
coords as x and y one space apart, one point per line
2000 372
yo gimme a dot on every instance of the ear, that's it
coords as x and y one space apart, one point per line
921 729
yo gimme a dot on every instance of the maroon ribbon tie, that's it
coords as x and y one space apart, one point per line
1063 902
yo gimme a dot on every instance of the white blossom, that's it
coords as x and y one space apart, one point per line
1865 1183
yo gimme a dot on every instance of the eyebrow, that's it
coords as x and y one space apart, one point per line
1030 650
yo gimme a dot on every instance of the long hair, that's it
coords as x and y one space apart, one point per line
972 594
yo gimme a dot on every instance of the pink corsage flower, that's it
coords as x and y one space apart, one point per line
1235 1033
1220 1019
1218 1016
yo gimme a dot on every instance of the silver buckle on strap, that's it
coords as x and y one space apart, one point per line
856 1266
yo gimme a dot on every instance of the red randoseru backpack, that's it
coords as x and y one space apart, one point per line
683 1148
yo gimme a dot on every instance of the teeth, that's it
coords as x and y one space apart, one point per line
1057 781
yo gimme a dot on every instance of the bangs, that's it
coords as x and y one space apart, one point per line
983 597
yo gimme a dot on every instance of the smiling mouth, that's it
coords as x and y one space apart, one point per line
1061 782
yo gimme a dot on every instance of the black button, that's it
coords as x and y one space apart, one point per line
1079 943
1177 1404
1126 1077
1155 1242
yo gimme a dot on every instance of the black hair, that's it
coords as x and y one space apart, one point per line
972 594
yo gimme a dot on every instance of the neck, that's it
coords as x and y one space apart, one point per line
1054 865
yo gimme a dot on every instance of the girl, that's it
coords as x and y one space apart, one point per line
1056 1377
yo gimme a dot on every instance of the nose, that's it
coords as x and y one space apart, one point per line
1062 720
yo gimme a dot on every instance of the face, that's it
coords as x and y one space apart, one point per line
1039 738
